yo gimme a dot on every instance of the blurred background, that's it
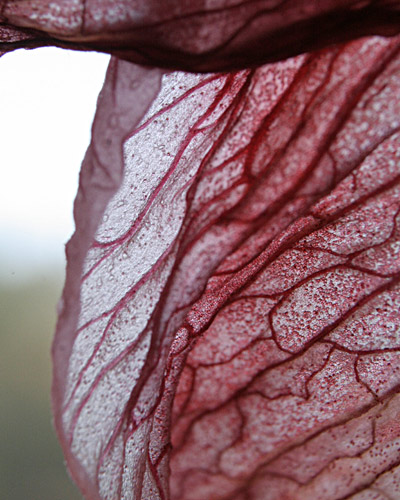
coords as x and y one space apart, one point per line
47 102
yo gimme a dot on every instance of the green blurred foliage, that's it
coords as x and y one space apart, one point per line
31 462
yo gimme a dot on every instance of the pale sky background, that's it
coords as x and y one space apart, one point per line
47 102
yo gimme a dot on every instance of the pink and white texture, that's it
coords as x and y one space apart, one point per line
230 325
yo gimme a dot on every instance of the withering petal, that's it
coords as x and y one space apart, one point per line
198 35
126 96
229 326
237 328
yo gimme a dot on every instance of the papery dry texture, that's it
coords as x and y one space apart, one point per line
239 329
230 323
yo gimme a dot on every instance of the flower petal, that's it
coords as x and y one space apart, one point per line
238 312
199 35
126 96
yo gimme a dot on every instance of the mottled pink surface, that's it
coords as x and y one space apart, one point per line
230 324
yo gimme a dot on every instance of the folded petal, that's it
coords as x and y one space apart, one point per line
199 35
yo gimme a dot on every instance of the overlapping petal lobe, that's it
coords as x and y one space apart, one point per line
233 327
198 35
291 391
